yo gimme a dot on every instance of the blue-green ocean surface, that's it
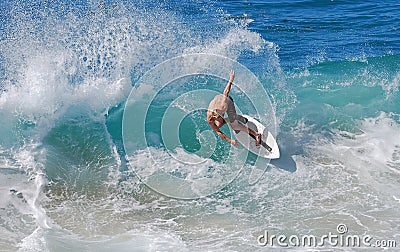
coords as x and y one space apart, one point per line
332 72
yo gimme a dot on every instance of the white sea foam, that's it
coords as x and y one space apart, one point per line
373 154
193 176
232 44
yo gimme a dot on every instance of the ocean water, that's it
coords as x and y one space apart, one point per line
70 179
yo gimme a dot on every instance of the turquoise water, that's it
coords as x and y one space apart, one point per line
331 70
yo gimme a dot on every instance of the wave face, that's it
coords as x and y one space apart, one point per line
66 71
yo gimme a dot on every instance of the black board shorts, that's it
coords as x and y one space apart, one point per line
231 111
232 115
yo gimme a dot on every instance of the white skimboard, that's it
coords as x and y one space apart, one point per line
268 147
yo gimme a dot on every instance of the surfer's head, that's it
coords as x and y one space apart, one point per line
215 113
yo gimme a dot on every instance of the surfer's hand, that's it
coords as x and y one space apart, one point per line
232 75
234 143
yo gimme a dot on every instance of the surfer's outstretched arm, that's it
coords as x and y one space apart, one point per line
228 86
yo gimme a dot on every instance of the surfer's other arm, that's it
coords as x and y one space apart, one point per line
220 133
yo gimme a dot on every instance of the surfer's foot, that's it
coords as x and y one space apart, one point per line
258 140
